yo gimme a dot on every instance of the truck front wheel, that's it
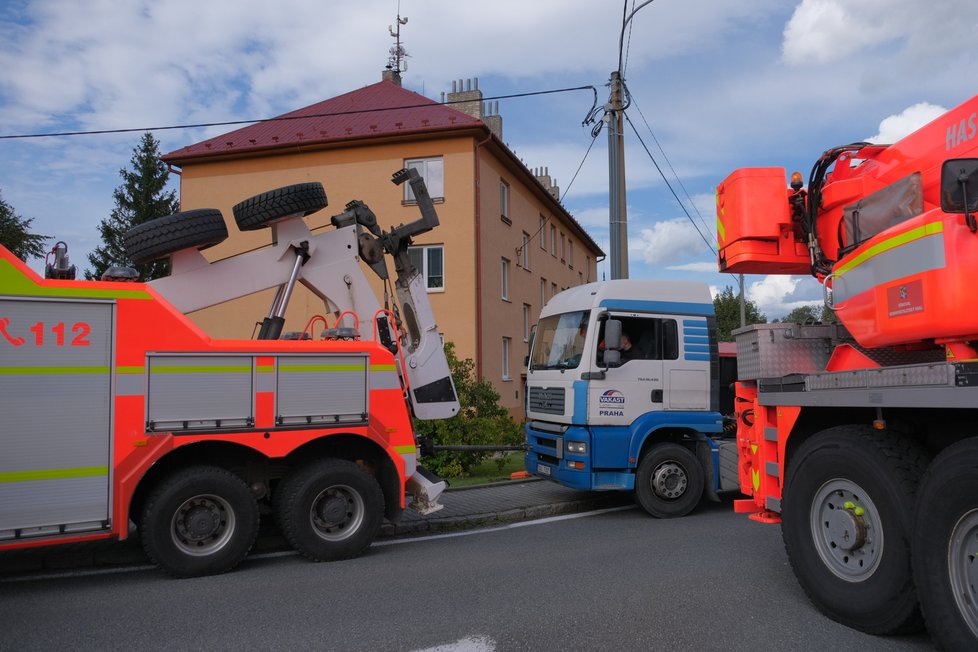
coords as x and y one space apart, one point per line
846 519
199 521
669 481
945 545
330 509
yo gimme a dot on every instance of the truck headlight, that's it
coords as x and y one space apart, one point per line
579 447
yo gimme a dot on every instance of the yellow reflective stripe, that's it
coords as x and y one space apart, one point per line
265 368
891 243
16 284
406 450
33 371
54 474
130 370
383 367
321 367
721 231
199 369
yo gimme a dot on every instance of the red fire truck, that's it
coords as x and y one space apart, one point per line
117 408
860 438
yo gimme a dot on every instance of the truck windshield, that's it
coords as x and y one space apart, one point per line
559 341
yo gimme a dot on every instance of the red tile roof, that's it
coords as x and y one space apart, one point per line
381 109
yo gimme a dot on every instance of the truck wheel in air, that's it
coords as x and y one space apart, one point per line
945 547
199 521
163 236
261 210
330 509
669 481
846 524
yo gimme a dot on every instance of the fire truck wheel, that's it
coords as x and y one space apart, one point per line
199 521
163 236
944 547
669 481
259 211
846 524
330 509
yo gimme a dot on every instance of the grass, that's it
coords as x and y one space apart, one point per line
489 471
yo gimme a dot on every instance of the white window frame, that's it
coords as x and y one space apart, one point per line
432 170
426 264
506 349
553 240
504 200
504 268
570 253
525 252
526 322
543 233
543 291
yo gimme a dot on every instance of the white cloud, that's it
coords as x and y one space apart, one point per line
670 241
895 127
695 267
776 296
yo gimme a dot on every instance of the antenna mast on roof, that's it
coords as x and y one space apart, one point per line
398 54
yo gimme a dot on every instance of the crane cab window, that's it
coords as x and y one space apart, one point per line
644 338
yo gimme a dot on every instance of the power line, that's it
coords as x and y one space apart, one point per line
669 163
229 123
628 45
669 185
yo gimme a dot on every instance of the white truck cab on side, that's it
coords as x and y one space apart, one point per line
623 394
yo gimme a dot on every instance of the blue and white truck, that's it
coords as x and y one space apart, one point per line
626 391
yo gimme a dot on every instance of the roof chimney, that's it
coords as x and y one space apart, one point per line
391 75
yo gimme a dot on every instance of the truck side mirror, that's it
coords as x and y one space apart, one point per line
959 188
612 343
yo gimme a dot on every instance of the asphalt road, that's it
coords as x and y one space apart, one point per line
617 580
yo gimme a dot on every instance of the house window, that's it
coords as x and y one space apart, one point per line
526 322
432 170
506 342
504 201
570 253
563 247
553 290
525 251
553 240
543 233
505 279
543 291
430 261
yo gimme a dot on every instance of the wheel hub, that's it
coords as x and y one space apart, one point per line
963 567
846 530
201 522
669 480
331 510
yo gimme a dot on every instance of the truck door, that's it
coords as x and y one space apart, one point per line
55 402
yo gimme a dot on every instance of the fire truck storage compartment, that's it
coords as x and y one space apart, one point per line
188 392
322 389
773 350
56 406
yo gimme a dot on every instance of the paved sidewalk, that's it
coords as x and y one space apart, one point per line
464 508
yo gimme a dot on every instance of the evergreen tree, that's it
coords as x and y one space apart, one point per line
802 315
140 198
726 304
15 234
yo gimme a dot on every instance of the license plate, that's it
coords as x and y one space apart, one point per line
543 469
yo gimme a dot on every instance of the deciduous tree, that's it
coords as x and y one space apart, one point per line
16 235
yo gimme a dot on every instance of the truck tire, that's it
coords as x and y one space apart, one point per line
330 509
201 520
299 199
944 560
669 481
163 236
846 524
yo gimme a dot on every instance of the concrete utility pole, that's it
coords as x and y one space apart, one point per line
617 210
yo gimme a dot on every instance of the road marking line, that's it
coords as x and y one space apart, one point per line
91 572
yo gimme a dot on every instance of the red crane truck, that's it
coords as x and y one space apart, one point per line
860 438
116 407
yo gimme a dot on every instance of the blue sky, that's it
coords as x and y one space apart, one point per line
722 84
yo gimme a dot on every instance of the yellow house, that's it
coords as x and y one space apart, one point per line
505 244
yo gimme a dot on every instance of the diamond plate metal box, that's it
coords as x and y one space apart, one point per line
775 350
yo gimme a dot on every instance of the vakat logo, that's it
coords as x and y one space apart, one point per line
612 397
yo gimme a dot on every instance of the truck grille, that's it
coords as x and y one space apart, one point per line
548 400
